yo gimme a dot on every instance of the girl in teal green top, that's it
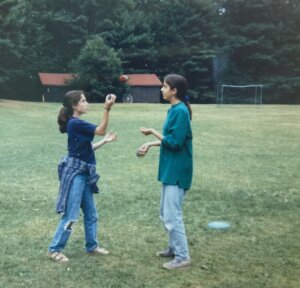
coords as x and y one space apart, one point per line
175 167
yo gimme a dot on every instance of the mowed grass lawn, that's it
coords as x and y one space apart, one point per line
246 172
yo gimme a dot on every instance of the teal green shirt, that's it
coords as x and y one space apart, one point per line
176 150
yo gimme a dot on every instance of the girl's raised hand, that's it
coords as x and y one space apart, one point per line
110 136
146 131
109 100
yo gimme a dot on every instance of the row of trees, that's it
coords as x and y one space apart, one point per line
208 41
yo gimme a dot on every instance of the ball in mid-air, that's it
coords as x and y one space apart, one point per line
123 78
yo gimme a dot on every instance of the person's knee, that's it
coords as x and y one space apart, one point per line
169 223
91 218
172 223
69 224
95 217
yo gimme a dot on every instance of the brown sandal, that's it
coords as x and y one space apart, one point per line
58 257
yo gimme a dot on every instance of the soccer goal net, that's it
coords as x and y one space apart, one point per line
240 94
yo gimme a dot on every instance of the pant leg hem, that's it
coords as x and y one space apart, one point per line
91 249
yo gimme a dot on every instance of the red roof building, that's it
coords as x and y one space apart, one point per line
144 87
143 80
55 79
55 85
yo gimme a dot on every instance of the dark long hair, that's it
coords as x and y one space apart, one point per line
66 112
180 83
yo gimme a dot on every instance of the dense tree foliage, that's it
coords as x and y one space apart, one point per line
98 67
263 45
208 41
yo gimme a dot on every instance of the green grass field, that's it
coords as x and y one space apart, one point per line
246 171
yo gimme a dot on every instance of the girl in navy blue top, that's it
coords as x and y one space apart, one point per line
77 173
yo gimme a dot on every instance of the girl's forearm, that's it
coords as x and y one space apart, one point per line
157 135
154 143
97 145
101 129
109 102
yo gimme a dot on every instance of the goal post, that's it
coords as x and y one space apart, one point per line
243 94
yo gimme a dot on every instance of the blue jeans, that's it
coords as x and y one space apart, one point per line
80 195
171 216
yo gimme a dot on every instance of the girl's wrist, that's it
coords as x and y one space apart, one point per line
107 108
